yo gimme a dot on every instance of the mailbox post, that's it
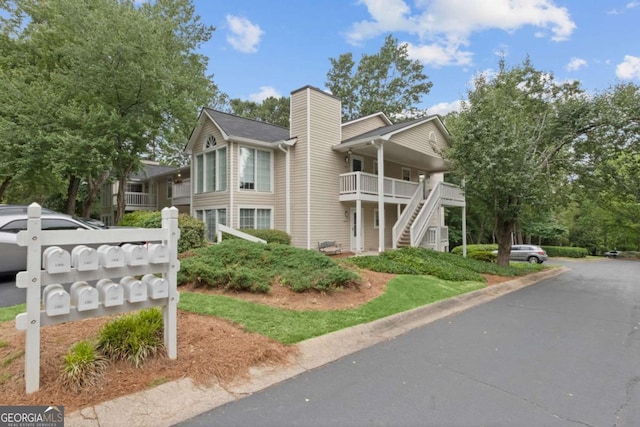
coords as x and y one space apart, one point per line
102 281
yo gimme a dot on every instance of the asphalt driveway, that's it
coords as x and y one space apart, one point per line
563 352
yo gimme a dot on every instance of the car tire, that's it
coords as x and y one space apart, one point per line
533 260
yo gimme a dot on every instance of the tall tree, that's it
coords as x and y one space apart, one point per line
271 110
123 86
386 81
509 140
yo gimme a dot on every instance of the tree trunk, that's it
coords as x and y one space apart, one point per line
120 201
504 231
72 193
94 188
4 186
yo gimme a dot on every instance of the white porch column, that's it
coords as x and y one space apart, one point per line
358 226
464 231
439 231
381 220
464 223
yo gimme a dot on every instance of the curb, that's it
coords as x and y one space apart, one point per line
180 400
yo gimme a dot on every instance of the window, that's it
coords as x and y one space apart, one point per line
376 219
406 174
211 171
211 218
169 188
375 167
134 187
255 218
254 169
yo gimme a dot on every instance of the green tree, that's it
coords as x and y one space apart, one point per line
271 110
386 81
511 139
123 87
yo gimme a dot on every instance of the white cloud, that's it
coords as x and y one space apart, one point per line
630 5
445 26
437 55
575 64
244 35
629 69
445 108
265 92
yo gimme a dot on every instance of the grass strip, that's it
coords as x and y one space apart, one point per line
403 293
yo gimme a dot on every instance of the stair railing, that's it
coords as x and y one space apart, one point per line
421 223
408 211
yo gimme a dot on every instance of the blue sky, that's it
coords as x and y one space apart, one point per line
271 47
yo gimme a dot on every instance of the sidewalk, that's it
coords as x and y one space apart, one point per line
180 400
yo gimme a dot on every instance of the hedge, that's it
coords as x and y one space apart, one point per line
191 229
565 251
270 235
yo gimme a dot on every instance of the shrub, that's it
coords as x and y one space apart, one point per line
191 229
134 337
566 251
444 265
485 256
83 367
475 248
241 265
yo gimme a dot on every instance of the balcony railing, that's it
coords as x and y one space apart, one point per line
361 184
181 190
133 199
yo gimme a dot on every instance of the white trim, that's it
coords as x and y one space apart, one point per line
255 171
402 174
255 207
233 184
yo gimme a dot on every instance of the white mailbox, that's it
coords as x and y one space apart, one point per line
84 258
57 301
157 287
134 289
136 254
111 293
56 260
84 296
111 256
158 253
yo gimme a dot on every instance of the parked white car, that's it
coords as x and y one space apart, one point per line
13 258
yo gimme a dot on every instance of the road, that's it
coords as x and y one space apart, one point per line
9 293
563 352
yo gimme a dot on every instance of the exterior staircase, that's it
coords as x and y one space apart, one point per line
405 237
413 225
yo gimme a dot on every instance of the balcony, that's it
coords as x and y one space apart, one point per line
181 192
364 186
138 201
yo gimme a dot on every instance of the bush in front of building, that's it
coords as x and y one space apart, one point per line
191 229
237 264
566 251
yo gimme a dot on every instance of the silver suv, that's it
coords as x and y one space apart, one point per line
529 253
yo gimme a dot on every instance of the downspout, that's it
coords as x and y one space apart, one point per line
231 185
289 143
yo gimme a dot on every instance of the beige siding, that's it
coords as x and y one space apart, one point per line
315 170
279 199
417 138
368 226
217 199
359 127
161 188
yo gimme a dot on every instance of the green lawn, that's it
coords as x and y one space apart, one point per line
288 326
